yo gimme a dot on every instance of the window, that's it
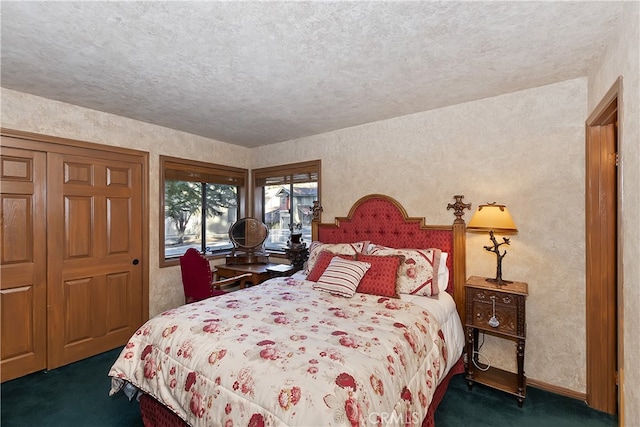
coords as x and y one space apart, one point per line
199 202
284 198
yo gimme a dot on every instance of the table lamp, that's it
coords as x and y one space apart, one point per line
494 218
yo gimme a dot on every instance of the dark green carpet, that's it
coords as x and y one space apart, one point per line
73 395
486 407
77 395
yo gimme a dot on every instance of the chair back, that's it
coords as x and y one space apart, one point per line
196 276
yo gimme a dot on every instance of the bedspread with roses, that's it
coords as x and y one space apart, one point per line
282 353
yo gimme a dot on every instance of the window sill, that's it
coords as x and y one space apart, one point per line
172 262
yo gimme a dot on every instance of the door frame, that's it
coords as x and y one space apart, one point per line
39 142
608 109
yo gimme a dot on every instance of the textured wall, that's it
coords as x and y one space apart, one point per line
524 149
623 59
29 113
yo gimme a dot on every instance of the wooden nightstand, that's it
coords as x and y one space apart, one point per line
280 270
509 323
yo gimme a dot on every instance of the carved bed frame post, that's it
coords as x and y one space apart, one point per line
460 251
316 220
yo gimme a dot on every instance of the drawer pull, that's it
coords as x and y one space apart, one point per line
493 322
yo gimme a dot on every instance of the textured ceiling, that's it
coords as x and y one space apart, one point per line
255 73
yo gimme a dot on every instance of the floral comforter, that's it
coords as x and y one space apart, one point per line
282 353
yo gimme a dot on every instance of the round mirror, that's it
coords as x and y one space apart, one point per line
248 233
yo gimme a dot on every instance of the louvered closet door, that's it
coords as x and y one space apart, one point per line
23 274
95 244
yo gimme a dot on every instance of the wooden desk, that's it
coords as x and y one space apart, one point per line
259 272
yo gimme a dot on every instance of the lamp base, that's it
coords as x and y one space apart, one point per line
499 282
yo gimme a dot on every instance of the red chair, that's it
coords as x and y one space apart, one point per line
199 280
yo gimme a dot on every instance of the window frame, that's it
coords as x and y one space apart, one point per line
282 172
186 170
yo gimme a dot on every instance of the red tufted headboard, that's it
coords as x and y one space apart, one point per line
383 221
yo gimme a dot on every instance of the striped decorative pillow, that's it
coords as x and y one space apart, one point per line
342 277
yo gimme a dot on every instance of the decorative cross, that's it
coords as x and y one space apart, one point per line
458 207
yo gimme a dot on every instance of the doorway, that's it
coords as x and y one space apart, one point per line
603 318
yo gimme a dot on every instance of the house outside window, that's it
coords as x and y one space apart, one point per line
200 201
284 197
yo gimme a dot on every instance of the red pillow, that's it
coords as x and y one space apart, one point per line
322 263
381 277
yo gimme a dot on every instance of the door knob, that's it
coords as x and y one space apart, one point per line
135 261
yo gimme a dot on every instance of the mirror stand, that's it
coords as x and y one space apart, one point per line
248 236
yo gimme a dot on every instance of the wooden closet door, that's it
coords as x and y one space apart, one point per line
23 287
94 252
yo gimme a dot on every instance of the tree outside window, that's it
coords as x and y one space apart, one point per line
200 202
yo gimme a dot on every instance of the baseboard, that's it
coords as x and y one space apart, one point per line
557 390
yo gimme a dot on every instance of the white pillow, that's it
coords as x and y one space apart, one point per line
443 271
342 277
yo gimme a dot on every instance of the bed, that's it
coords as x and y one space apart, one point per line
372 340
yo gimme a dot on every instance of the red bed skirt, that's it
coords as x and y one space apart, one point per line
154 414
458 368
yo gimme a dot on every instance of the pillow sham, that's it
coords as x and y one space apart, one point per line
418 273
443 270
322 262
337 248
382 276
342 277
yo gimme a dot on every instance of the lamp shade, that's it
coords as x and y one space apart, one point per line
492 217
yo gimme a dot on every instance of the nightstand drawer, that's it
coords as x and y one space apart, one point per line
507 307
507 316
